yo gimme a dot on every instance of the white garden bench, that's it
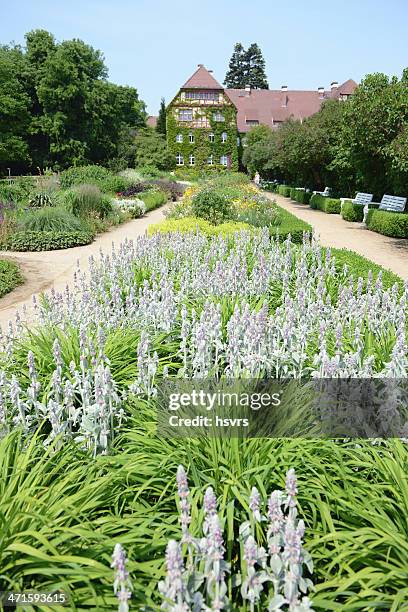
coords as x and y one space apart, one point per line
393 203
361 198
390 203
325 193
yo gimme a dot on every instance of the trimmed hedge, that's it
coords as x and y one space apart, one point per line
352 212
388 223
10 276
332 206
46 241
360 266
284 190
302 196
290 224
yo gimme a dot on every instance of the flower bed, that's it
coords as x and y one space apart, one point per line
78 417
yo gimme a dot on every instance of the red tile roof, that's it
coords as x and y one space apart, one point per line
151 121
202 79
270 106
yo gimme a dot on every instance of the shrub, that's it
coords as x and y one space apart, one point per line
49 220
46 241
132 190
131 175
293 192
284 190
351 211
153 199
93 175
135 208
388 223
40 200
212 206
16 191
302 196
10 276
327 205
174 189
84 199
152 151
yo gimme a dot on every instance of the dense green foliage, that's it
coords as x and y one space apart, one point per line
57 107
246 67
351 211
388 223
84 199
161 119
153 199
46 240
10 276
357 265
151 151
327 205
353 145
50 220
107 181
211 205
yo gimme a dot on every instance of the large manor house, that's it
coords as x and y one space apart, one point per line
207 124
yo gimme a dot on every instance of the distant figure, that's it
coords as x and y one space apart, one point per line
257 178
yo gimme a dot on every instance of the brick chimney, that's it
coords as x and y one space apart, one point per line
334 85
284 88
321 92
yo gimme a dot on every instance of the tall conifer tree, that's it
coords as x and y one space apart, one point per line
255 68
161 119
236 77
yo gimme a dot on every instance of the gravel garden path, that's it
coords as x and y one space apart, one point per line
333 231
48 270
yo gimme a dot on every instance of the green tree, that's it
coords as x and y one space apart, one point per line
236 74
161 119
373 134
14 111
254 65
151 150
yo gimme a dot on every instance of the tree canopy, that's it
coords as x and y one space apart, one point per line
359 144
57 107
246 67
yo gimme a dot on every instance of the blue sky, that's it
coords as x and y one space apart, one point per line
156 45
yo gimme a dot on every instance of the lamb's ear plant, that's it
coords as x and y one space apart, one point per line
269 577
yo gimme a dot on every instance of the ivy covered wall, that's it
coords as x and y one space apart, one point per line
202 147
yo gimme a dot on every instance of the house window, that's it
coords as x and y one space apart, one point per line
191 159
252 121
224 160
179 138
202 95
210 160
191 137
179 159
218 117
211 137
238 141
224 137
185 114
